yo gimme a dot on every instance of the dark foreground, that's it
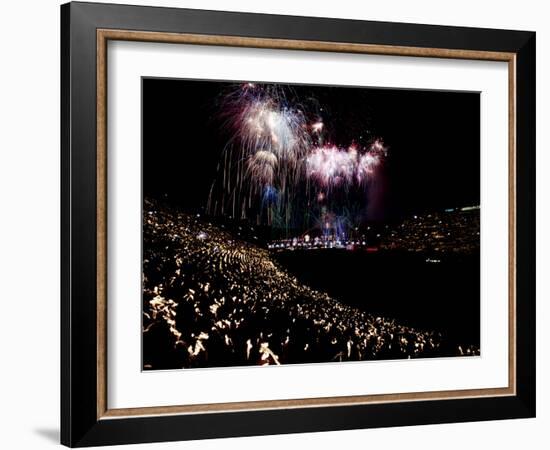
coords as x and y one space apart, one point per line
425 291
210 300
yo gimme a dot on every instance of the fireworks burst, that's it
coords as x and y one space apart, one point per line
275 157
266 150
369 161
331 167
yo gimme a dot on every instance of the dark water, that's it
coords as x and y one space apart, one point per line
441 296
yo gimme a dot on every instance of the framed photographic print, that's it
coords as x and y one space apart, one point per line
276 224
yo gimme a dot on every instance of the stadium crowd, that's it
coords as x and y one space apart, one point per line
451 231
212 300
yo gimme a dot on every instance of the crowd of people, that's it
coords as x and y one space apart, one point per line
211 300
454 230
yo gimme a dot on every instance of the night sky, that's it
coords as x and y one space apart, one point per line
433 140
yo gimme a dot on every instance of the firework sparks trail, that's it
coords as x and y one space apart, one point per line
262 166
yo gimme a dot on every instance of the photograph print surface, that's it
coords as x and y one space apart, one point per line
294 224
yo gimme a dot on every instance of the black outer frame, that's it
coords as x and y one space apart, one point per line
79 423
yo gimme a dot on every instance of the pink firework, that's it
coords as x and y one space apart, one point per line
366 165
368 162
331 166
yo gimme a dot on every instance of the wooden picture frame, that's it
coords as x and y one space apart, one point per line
86 418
